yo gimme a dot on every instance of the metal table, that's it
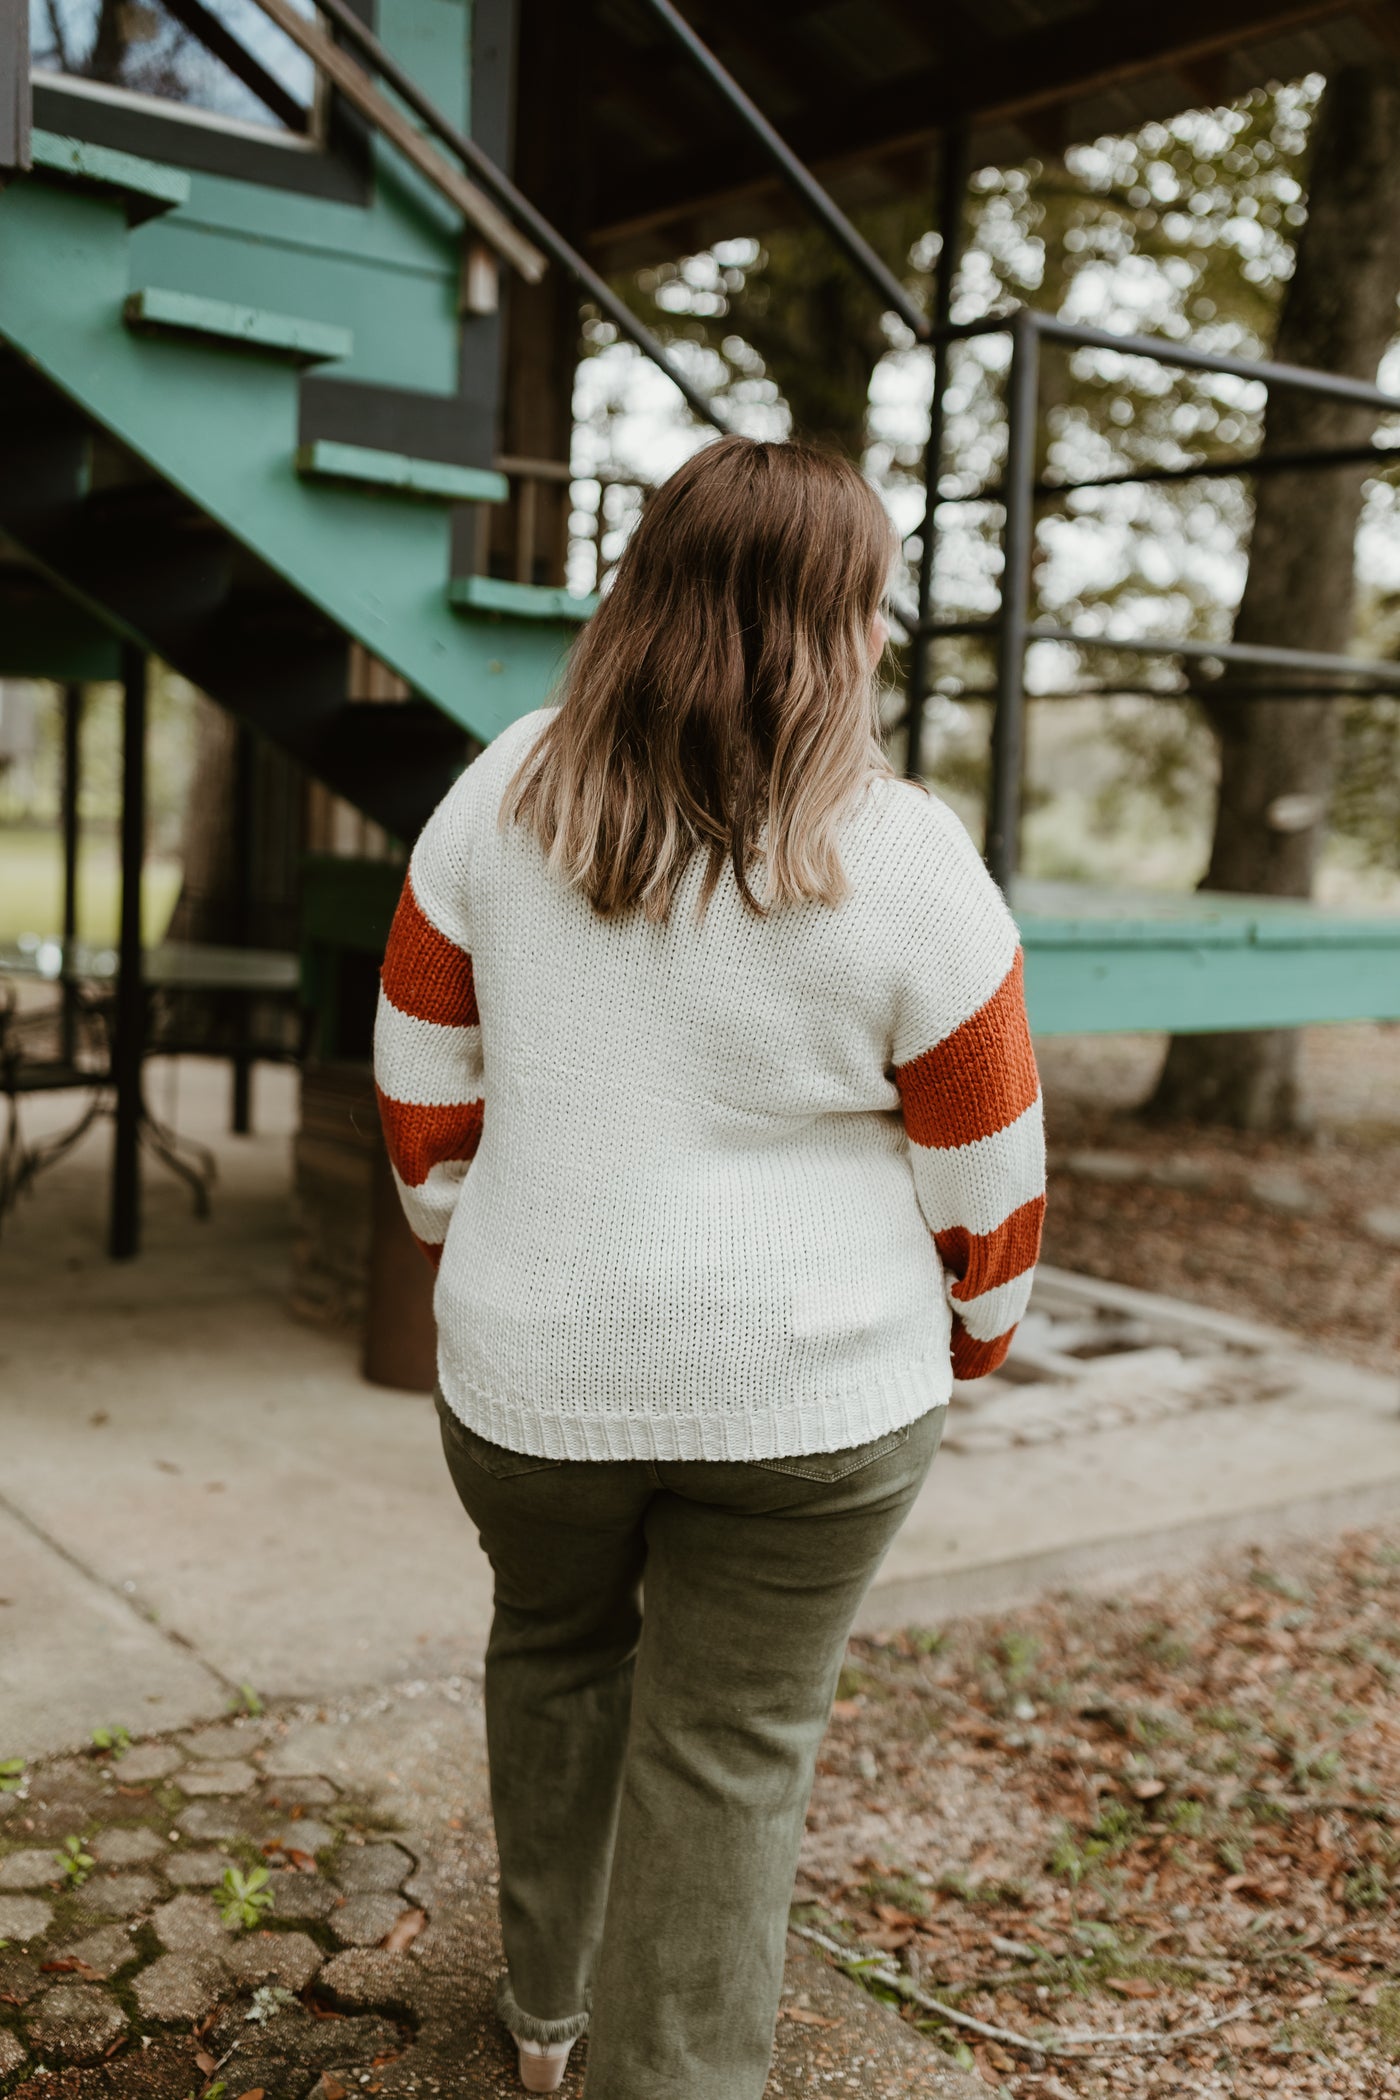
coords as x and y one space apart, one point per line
90 969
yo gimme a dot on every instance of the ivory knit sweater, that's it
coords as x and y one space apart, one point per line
728 1188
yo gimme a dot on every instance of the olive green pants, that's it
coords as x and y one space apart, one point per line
650 1775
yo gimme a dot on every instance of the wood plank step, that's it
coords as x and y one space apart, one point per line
435 480
283 335
521 601
145 187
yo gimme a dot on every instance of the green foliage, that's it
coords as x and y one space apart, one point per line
927 1640
116 1740
1018 1653
268 2001
1075 1859
245 1701
243 1898
74 1863
1367 1889
11 1775
1182 228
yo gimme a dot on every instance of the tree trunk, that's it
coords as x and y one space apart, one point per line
1277 756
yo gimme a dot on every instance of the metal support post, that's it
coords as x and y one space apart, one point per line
1003 846
240 1119
130 1018
951 206
72 761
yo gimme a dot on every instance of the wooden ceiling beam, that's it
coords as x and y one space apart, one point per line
1105 46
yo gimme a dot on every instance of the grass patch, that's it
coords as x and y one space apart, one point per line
31 887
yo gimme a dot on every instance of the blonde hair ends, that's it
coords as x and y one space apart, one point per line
722 700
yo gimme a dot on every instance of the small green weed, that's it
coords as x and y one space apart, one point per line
1231 1856
73 1862
1164 1645
1367 1889
245 1701
11 1775
897 1888
1385 2018
1019 1653
268 2000
927 1640
115 1741
242 1898
1073 1858
1279 1585
1224 1720
854 1683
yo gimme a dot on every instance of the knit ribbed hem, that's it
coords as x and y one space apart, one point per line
526 2028
886 1401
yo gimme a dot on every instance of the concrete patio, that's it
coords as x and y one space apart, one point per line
199 1493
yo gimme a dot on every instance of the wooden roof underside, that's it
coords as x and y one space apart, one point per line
862 88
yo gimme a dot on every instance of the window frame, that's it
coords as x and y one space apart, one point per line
333 160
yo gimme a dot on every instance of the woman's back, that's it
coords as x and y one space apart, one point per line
690 1228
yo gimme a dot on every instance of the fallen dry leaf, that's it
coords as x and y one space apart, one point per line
807 2019
205 2061
404 1931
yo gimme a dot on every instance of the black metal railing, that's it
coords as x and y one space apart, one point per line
1013 631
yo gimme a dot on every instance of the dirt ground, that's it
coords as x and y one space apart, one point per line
1174 1813
1181 1811
1272 1228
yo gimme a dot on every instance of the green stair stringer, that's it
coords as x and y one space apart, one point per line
220 425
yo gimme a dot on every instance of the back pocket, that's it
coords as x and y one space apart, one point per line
835 1465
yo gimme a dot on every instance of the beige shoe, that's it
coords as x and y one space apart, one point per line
542 2064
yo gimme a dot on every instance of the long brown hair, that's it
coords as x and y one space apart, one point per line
722 699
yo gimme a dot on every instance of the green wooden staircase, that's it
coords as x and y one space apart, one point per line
155 463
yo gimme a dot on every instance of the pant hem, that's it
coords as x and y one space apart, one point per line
526 2028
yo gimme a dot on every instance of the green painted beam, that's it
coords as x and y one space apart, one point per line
1099 962
300 341
434 479
144 186
519 601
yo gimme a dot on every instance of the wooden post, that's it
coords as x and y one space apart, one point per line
130 1019
530 536
14 84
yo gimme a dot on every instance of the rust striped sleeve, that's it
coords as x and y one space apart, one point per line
972 1113
428 1064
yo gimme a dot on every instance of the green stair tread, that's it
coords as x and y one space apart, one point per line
286 335
437 480
145 186
520 601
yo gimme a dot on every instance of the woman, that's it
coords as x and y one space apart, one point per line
704 1069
